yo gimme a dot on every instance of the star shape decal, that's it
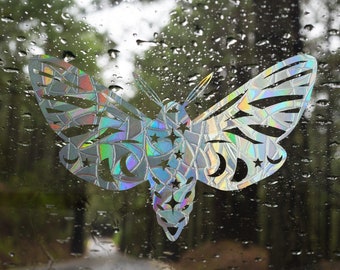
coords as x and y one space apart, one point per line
183 127
154 138
179 154
172 136
176 183
164 164
86 163
258 163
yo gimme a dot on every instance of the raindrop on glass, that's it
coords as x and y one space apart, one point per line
65 16
308 27
115 88
68 56
21 38
11 70
296 252
22 53
333 32
63 41
230 41
322 102
113 53
262 42
7 19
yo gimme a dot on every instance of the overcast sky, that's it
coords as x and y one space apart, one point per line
126 23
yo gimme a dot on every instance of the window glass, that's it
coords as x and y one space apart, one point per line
51 217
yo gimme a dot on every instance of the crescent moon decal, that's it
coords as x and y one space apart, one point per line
71 161
221 168
124 168
241 170
274 161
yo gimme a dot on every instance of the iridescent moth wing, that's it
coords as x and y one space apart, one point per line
242 131
103 134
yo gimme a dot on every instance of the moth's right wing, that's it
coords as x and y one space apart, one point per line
103 134
240 135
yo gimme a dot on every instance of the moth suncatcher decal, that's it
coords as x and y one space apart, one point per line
232 145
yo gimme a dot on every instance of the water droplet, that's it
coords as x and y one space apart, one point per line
306 175
68 56
198 32
168 253
333 32
139 41
101 212
322 102
11 70
287 36
208 195
66 16
269 205
21 38
113 53
269 247
235 2
115 88
63 41
63 241
11 254
7 19
332 85
308 27
176 50
242 36
27 115
296 252
22 53
306 160
230 41
262 42
218 39
332 177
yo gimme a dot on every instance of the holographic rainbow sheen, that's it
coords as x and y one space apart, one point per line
232 145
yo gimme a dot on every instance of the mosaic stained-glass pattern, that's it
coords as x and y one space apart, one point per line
232 145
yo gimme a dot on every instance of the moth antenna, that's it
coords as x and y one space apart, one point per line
199 88
142 85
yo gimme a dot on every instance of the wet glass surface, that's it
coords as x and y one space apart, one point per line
51 218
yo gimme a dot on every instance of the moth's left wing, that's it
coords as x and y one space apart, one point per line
241 132
103 134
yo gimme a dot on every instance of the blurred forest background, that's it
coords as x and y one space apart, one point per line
291 218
